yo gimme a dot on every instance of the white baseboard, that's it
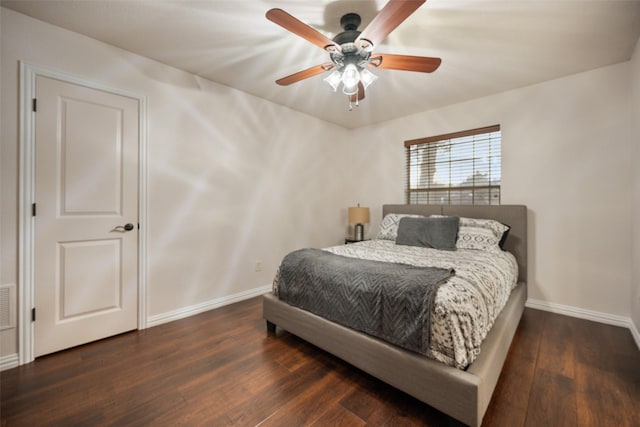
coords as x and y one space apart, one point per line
582 313
205 306
9 361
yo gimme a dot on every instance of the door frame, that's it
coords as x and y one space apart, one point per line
26 194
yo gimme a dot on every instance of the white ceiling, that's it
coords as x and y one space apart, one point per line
486 46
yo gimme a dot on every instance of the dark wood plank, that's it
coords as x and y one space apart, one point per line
223 368
557 348
607 376
510 399
378 403
338 416
552 401
312 403
598 392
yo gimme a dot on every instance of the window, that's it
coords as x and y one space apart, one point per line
457 168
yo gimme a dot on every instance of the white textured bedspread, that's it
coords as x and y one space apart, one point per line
466 305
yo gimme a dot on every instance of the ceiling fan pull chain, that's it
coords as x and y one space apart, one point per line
351 103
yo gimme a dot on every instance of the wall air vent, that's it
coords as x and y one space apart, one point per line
7 306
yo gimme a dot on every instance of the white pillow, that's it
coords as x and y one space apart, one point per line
480 234
389 225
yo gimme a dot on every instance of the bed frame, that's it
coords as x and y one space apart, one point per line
463 395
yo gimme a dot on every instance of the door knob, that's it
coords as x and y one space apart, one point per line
128 227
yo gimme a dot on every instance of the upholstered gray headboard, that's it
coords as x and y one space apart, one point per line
514 216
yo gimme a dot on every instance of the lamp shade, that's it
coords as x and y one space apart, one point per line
358 215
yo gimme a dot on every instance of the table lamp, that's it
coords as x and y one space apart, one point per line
358 216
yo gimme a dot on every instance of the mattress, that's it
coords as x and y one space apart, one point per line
466 305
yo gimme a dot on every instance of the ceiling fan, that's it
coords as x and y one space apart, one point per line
351 51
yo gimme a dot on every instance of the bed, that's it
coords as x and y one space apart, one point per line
463 394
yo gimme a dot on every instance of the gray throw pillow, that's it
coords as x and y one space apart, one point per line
436 233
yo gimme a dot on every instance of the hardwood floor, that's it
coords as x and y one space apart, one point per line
222 368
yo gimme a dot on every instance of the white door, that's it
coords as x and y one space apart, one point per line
86 215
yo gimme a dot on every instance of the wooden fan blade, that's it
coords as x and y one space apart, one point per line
299 28
359 96
421 64
305 74
392 15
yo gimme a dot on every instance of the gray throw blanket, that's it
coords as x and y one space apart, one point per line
386 300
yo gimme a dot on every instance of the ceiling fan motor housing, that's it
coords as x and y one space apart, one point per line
346 37
349 52
349 23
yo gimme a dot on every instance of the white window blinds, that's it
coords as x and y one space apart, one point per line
456 168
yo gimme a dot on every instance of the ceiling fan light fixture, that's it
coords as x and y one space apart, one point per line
350 77
367 77
334 80
350 90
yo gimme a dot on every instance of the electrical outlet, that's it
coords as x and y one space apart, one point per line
258 265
